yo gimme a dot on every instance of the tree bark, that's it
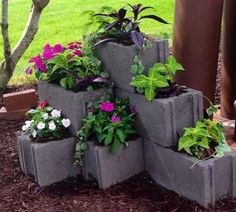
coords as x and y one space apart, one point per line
228 81
196 40
12 57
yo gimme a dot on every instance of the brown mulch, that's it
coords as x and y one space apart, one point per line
15 88
140 193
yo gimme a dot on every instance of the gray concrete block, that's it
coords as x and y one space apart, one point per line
72 105
117 60
48 162
206 182
163 120
109 169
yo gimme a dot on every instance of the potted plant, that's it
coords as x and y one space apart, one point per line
45 147
120 39
201 168
107 145
70 74
163 107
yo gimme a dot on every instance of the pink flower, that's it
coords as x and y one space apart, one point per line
107 106
43 68
58 48
48 52
29 71
115 119
77 53
37 61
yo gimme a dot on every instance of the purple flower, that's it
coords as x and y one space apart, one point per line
107 106
58 48
43 68
115 119
29 71
133 110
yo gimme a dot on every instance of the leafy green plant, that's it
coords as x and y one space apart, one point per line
73 67
204 140
109 122
159 76
123 25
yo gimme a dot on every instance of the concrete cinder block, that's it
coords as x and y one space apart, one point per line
206 182
48 162
108 168
163 120
72 105
117 60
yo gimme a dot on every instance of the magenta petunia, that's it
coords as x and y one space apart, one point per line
29 71
58 48
74 45
115 119
133 110
43 68
107 106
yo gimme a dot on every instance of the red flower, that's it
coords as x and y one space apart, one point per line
42 105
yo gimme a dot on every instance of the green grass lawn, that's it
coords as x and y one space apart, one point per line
61 22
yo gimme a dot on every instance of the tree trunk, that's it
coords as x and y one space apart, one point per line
196 40
228 81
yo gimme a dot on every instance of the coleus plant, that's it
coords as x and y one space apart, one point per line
46 123
109 122
69 66
159 76
206 139
122 27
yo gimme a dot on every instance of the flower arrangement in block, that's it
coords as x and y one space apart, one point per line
122 25
159 82
109 122
71 66
46 123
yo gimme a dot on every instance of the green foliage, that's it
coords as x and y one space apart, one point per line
170 68
159 76
109 122
207 135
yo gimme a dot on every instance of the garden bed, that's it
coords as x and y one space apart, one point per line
138 194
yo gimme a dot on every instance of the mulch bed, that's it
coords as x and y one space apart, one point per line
20 193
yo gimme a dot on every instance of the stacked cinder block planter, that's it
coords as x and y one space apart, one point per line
206 182
48 162
162 121
108 168
72 104
117 60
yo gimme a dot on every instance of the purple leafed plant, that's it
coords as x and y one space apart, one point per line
124 28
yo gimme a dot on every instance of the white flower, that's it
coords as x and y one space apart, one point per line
66 122
27 125
52 125
56 113
41 125
45 116
34 133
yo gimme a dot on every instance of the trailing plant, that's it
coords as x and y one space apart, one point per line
46 123
123 25
73 66
159 76
109 122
